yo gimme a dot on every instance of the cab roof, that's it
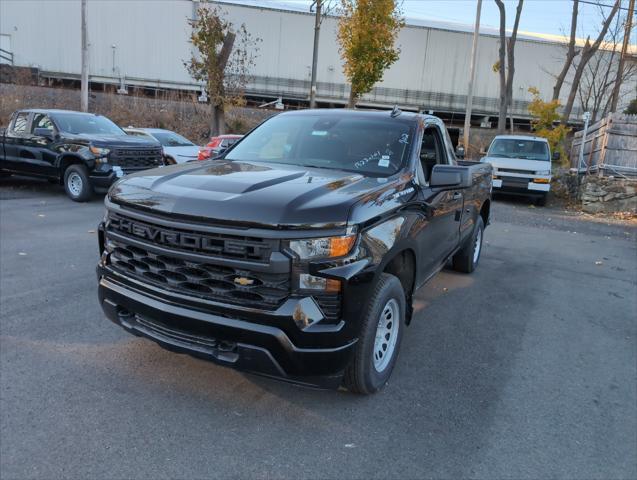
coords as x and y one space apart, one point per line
521 137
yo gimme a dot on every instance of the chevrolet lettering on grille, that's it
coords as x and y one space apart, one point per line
173 238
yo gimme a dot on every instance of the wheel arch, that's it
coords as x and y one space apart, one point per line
485 211
67 160
402 264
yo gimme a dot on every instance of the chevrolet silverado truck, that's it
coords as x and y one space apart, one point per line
297 252
81 151
521 166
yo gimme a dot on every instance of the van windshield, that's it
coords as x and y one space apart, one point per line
518 148
370 146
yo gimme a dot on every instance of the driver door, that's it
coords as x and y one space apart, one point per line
43 156
443 208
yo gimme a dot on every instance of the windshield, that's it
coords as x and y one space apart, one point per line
370 146
91 124
517 148
171 139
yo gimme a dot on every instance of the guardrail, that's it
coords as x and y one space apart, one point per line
6 56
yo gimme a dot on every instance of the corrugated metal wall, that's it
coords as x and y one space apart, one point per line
147 42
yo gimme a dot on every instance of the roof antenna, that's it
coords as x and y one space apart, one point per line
395 111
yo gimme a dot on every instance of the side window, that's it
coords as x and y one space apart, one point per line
432 151
20 123
451 154
40 120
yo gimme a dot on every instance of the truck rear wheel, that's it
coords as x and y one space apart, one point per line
77 183
379 341
466 260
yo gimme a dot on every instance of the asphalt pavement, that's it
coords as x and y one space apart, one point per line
525 369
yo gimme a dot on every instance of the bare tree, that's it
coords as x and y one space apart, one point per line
506 49
620 69
594 92
502 113
586 54
511 60
571 53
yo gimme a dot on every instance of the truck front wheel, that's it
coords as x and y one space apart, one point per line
467 258
77 183
379 341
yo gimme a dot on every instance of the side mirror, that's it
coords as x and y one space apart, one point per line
556 156
460 151
44 132
448 177
483 152
218 152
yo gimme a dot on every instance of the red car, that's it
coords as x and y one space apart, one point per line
217 145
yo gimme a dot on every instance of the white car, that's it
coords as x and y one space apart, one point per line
177 149
521 166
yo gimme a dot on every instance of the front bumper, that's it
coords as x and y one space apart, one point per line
265 343
520 186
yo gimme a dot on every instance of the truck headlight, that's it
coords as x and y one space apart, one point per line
543 172
100 152
326 247
310 282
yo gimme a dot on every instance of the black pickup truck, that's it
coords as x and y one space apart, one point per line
296 253
82 151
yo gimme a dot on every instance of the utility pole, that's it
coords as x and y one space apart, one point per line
622 58
474 54
317 30
84 79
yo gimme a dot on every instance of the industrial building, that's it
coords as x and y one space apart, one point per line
144 43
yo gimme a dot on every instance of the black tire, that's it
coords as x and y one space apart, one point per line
77 183
540 201
465 260
362 375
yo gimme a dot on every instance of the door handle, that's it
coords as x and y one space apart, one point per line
456 196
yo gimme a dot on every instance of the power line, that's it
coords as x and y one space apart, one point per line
602 4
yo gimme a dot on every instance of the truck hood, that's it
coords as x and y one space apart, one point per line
112 140
250 193
518 164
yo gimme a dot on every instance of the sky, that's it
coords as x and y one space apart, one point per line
539 16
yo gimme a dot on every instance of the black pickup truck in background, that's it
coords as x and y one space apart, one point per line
82 151
297 252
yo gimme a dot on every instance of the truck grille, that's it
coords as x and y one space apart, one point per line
513 170
330 304
218 245
136 158
205 280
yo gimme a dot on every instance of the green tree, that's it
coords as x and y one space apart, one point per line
225 57
367 32
544 118
631 109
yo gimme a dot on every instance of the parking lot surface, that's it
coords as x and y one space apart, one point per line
525 369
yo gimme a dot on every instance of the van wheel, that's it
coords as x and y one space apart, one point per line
77 183
541 201
379 341
466 260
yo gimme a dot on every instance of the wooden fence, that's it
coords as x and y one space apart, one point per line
610 147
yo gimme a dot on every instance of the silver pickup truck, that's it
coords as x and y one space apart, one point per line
521 166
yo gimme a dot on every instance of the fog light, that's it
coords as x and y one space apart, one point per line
310 282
